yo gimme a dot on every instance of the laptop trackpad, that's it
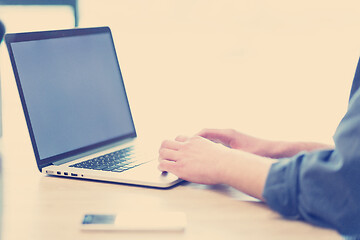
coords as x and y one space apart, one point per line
149 172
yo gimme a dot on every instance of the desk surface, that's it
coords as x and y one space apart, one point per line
44 207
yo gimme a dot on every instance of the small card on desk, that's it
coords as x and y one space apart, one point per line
135 221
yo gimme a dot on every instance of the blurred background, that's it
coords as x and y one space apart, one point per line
275 69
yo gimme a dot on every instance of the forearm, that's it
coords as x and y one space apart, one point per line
246 172
282 149
262 147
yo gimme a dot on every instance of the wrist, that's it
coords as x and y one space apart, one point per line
246 172
268 148
277 149
227 165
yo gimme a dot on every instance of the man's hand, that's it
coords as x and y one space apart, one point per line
194 159
200 160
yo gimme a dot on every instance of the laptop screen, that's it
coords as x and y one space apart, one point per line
72 92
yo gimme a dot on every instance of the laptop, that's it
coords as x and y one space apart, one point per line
76 107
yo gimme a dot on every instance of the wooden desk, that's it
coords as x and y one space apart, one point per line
42 207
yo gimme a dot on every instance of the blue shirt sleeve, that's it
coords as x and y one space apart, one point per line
323 187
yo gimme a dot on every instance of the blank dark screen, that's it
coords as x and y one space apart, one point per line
74 92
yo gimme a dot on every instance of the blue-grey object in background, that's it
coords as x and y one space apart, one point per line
2 32
71 3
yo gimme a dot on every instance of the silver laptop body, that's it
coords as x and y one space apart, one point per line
76 108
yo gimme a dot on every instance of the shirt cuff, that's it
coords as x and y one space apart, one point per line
281 187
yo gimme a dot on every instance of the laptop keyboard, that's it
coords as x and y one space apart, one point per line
118 161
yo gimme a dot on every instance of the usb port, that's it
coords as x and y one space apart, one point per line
65 173
74 174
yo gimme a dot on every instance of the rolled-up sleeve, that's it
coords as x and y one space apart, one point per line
322 187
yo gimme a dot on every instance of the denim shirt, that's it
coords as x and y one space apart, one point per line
323 187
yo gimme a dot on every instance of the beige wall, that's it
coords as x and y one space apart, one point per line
279 69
